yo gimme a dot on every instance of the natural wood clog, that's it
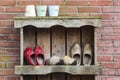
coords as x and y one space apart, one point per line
76 53
87 55
69 61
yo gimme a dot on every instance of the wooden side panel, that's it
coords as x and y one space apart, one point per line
73 36
29 41
58 48
88 37
43 40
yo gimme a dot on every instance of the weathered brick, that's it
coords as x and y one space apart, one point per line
110 77
68 10
109 72
117 43
105 31
109 23
8 30
108 9
2 23
7 2
116 58
2 65
12 78
11 65
11 52
15 9
89 9
116 2
9 44
101 3
26 2
2 78
2 9
105 58
55 2
111 37
116 16
116 9
112 65
105 43
76 3
9 58
8 16
6 72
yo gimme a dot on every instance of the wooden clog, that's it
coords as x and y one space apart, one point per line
76 53
87 55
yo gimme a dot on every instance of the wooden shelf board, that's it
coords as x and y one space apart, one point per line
43 70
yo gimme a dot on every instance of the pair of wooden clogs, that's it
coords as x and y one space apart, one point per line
34 57
87 54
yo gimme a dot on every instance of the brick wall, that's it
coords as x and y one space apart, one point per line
108 37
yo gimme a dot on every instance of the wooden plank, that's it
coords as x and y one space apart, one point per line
43 40
73 36
29 41
58 48
88 37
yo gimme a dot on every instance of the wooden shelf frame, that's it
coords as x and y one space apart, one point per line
48 22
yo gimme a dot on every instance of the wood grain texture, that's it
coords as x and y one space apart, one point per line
43 40
88 37
58 48
73 36
29 41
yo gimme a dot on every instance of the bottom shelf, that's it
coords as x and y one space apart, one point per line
43 70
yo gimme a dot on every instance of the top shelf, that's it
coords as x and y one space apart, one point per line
47 22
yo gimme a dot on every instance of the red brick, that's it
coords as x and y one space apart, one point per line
8 16
116 16
2 78
117 58
104 58
15 9
116 2
7 2
108 23
117 43
89 9
9 44
101 3
8 30
112 65
2 23
105 16
9 58
2 9
109 72
6 72
2 65
76 3
12 78
108 9
11 52
111 37
28 2
105 43
105 31
116 30
55 2
110 77
116 9
11 65
10 24
10 37
68 10
108 50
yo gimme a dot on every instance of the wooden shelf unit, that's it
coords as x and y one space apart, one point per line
56 35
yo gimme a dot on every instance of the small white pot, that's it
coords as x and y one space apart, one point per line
30 10
41 10
53 10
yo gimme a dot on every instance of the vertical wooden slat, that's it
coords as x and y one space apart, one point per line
29 41
73 36
43 40
58 48
88 37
